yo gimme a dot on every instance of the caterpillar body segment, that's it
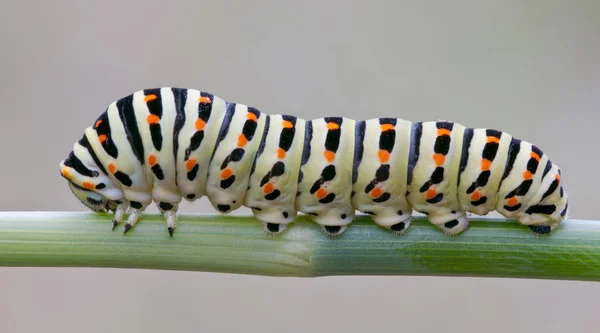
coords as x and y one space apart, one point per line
166 144
235 151
433 187
272 188
380 171
325 174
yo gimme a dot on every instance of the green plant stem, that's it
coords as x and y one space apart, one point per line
233 244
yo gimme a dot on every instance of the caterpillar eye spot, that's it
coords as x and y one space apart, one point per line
281 165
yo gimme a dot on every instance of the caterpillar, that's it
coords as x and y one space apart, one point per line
166 144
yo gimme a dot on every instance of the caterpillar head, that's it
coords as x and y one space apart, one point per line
92 200
88 182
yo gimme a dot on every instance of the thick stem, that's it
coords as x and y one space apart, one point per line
232 244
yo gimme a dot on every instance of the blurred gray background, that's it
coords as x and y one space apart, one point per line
530 68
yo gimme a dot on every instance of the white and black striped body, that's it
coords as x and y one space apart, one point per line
166 144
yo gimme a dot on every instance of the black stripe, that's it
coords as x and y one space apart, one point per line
158 172
123 178
180 97
332 140
261 146
155 106
195 142
307 139
225 183
383 198
391 121
156 135
286 137
564 211
127 115
512 208
481 201
229 113
494 133
74 162
464 156
415 143
436 199
191 175
513 151
550 190
445 124
547 168
104 129
329 198
86 143
537 150
359 137
541 209
273 195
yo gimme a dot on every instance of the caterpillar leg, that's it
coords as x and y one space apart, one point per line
274 219
273 228
120 211
333 231
451 224
169 211
398 222
137 209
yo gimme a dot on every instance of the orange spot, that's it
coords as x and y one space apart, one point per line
376 192
333 126
88 185
252 116
269 188
387 127
287 124
443 131
535 156
200 124
321 193
485 164
512 201
430 193
439 159
203 99
527 174
384 156
493 139
152 119
149 98
189 165
557 177
226 173
476 195
242 141
98 123
112 168
329 155
65 172
101 138
152 160
280 153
